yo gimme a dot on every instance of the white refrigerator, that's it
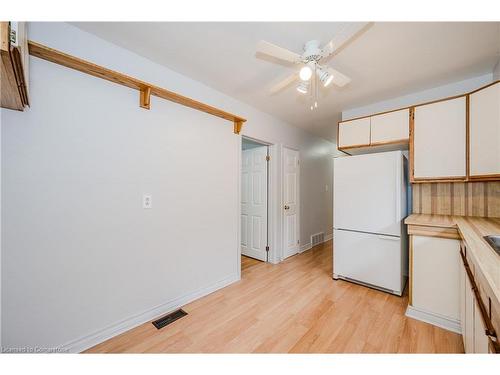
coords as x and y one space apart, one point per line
370 244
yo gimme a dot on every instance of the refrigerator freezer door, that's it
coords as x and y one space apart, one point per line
369 258
368 193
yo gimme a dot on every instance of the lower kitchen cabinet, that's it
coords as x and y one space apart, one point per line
435 280
473 326
448 287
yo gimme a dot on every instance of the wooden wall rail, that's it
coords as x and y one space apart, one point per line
145 89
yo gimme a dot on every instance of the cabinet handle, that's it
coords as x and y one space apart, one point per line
391 238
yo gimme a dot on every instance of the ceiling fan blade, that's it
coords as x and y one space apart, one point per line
277 52
339 79
284 83
343 37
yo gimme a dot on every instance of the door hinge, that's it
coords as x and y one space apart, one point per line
268 158
267 248
298 241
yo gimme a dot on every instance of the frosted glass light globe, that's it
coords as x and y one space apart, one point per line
305 73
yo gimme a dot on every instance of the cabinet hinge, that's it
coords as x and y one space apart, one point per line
267 248
268 158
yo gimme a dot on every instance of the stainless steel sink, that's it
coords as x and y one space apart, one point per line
494 242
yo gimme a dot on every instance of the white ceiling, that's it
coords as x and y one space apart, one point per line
386 61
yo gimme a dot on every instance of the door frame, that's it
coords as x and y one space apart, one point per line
273 222
282 200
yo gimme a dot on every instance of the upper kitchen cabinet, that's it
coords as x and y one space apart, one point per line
390 127
382 132
484 133
438 144
14 56
354 133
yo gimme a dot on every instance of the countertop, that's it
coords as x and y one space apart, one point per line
471 229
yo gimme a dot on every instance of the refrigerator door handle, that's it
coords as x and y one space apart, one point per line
390 238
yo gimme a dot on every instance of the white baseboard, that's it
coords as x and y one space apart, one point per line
434 319
305 247
308 245
86 342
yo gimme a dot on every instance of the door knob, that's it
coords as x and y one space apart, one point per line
287 207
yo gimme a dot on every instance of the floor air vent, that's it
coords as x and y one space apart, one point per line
317 238
169 318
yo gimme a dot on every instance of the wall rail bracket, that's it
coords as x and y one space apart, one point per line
145 89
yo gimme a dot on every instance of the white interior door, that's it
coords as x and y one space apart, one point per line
291 226
254 203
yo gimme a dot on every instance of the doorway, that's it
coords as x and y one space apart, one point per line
254 202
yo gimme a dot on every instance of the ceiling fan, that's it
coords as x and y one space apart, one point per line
314 70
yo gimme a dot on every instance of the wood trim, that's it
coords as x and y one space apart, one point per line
61 58
237 127
338 135
4 36
485 177
354 146
13 93
426 180
145 98
411 145
376 144
434 231
394 142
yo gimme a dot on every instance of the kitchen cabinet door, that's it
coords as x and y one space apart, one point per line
435 276
390 127
469 317
480 338
354 133
462 301
439 140
484 132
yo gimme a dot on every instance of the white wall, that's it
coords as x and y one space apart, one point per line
81 259
456 88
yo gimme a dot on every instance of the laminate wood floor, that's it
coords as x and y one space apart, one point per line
247 263
292 307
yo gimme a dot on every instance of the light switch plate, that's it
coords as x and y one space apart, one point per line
147 201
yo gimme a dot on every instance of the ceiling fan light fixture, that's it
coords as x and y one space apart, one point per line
303 87
305 73
325 77
328 80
